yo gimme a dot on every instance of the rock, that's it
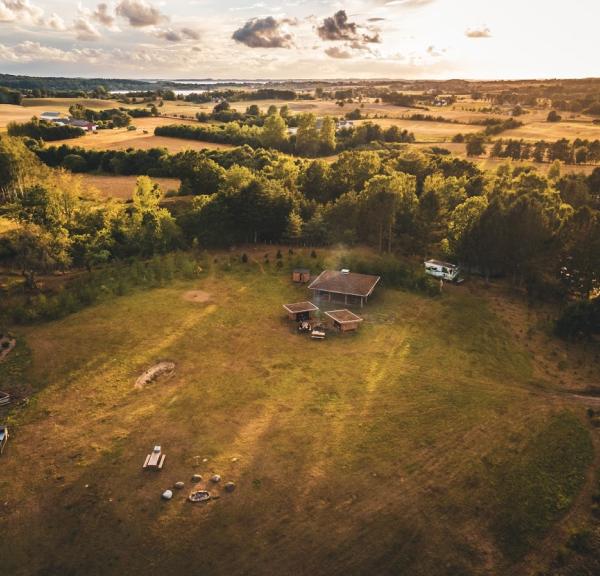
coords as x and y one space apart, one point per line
196 478
215 478
179 485
230 487
167 495
234 459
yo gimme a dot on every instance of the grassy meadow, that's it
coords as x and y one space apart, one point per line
417 446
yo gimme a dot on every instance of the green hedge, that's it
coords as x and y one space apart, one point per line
108 282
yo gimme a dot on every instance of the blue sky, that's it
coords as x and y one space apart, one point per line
300 39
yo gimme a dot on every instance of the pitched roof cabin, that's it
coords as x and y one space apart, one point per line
344 320
300 311
335 284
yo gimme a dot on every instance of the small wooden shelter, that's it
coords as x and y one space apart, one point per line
344 320
344 285
301 275
300 311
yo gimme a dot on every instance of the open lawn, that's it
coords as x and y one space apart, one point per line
425 131
551 131
142 138
417 446
122 186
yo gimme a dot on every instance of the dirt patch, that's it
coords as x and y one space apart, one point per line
197 296
150 375
6 346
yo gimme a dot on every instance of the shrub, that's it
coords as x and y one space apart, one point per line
579 319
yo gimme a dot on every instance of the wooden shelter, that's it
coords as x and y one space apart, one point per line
301 275
344 320
300 311
343 284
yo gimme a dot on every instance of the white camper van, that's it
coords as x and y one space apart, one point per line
443 270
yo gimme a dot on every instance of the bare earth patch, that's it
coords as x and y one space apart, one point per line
197 296
5 351
153 373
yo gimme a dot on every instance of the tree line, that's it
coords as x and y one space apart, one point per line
310 139
578 151
42 130
543 232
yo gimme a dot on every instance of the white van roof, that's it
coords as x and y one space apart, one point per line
440 263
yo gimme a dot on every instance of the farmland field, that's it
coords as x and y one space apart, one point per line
141 138
122 186
425 444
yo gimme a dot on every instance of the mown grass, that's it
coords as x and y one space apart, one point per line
536 484
367 453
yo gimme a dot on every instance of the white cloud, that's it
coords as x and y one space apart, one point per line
105 14
56 22
22 11
85 30
140 13
484 32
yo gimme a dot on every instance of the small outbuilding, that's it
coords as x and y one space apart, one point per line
344 320
301 275
300 311
344 285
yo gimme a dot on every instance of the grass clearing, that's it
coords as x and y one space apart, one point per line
123 186
352 455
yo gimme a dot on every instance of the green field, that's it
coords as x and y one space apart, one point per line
417 446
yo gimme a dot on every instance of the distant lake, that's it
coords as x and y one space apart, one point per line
199 83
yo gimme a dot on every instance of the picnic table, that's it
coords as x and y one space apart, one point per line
155 459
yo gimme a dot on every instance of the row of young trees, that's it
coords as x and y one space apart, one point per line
578 151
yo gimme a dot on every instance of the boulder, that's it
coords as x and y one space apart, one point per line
167 495
196 478
230 487
215 478
179 485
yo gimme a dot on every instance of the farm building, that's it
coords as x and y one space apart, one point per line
300 311
301 275
343 284
344 320
83 124
51 116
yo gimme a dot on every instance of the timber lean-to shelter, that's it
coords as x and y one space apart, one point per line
300 311
343 285
344 320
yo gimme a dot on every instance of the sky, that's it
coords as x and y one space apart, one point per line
295 39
